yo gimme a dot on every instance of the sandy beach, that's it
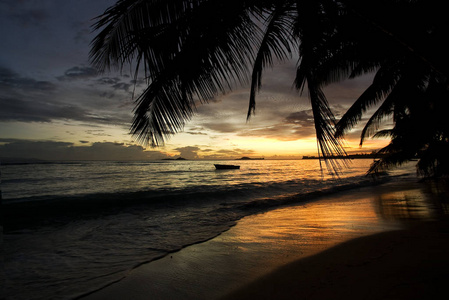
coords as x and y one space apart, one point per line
404 264
381 242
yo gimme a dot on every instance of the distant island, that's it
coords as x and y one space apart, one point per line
350 156
249 158
21 161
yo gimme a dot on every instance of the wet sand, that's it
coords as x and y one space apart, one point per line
327 248
405 264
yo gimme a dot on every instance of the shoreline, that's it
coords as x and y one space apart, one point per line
262 243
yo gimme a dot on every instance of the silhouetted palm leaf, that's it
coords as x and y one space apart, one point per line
383 83
187 55
277 39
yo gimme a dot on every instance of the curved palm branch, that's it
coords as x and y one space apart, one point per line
316 30
383 82
407 90
328 145
204 56
277 39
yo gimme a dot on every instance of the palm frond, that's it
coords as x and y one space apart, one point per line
126 23
383 83
324 120
384 133
408 89
277 39
315 29
161 111
186 55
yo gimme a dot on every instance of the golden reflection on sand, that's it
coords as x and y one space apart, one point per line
426 201
298 231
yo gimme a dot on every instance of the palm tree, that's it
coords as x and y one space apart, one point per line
411 88
420 128
192 50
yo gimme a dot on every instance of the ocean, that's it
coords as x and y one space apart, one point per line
70 228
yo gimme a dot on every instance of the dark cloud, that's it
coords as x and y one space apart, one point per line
33 149
16 109
273 109
122 86
138 82
77 73
29 100
302 118
26 99
52 150
109 80
295 126
11 80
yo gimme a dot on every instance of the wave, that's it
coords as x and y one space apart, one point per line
241 199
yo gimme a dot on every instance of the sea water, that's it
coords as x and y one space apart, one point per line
74 227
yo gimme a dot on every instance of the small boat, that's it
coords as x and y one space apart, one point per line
226 167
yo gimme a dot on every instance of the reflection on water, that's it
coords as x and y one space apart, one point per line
420 201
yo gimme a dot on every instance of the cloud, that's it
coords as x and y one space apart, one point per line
77 73
52 150
236 152
208 153
26 99
195 133
11 80
294 126
274 105
109 80
97 132
122 86
17 109
205 152
301 118
189 152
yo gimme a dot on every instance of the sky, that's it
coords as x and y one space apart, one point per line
55 106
